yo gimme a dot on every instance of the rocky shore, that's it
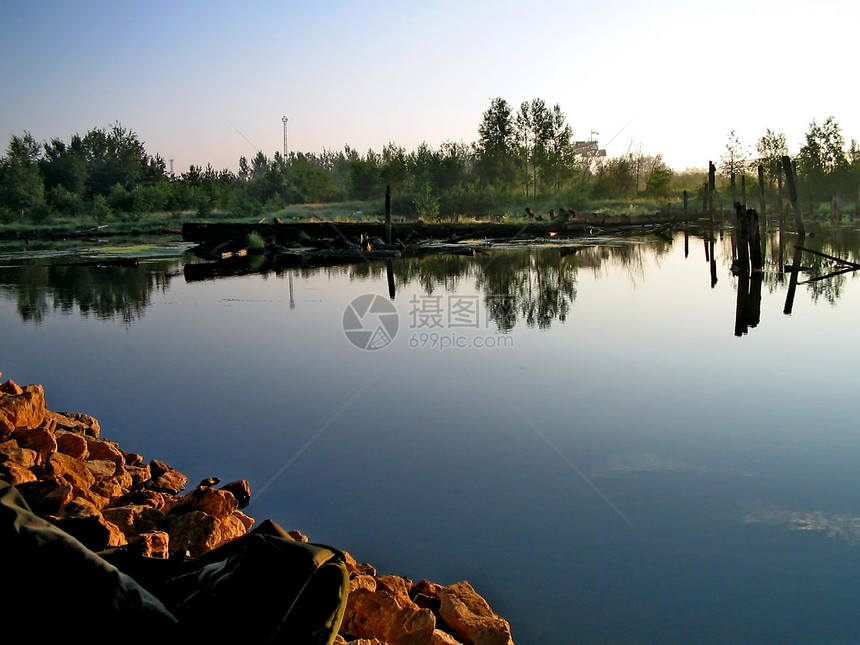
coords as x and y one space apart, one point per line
106 497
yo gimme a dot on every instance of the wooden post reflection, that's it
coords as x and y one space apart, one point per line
748 308
792 280
389 271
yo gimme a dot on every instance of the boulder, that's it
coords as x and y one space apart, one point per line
6 427
90 529
195 532
25 410
68 469
100 468
11 452
164 479
101 449
470 618
15 474
152 545
72 444
241 490
46 496
11 387
379 614
443 638
39 439
218 503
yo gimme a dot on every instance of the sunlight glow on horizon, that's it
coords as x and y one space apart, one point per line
197 82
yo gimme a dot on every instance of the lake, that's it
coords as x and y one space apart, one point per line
619 442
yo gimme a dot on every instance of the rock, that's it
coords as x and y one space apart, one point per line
470 618
218 503
71 444
396 586
209 482
46 496
93 530
298 536
107 489
10 387
11 452
246 521
379 614
27 409
15 474
101 468
6 427
40 440
68 469
443 638
138 474
152 545
123 517
198 532
362 581
132 458
352 566
87 424
101 449
241 490
148 498
169 481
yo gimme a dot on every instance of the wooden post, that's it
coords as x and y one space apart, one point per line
762 206
388 214
744 190
792 194
733 182
685 201
712 171
740 240
782 197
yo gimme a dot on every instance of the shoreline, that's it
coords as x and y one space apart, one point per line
108 498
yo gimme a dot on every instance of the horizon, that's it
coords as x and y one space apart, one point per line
206 85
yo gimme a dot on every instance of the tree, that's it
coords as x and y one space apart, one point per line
659 179
558 157
734 160
21 188
771 149
496 143
822 158
534 127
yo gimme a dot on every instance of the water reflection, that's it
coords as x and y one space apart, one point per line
536 285
104 292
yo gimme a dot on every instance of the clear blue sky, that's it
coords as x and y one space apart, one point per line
198 80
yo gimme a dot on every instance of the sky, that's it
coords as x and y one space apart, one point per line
207 82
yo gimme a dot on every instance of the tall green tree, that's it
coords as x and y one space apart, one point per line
822 160
22 191
771 149
533 123
496 145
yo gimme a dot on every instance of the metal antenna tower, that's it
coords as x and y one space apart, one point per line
284 119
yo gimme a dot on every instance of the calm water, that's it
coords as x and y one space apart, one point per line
590 438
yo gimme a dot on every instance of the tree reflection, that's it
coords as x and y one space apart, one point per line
103 292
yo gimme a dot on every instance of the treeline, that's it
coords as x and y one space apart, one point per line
525 154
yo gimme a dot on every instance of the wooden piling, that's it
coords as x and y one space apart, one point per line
388 214
792 194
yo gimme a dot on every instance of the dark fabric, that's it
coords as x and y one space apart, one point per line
264 587
57 587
